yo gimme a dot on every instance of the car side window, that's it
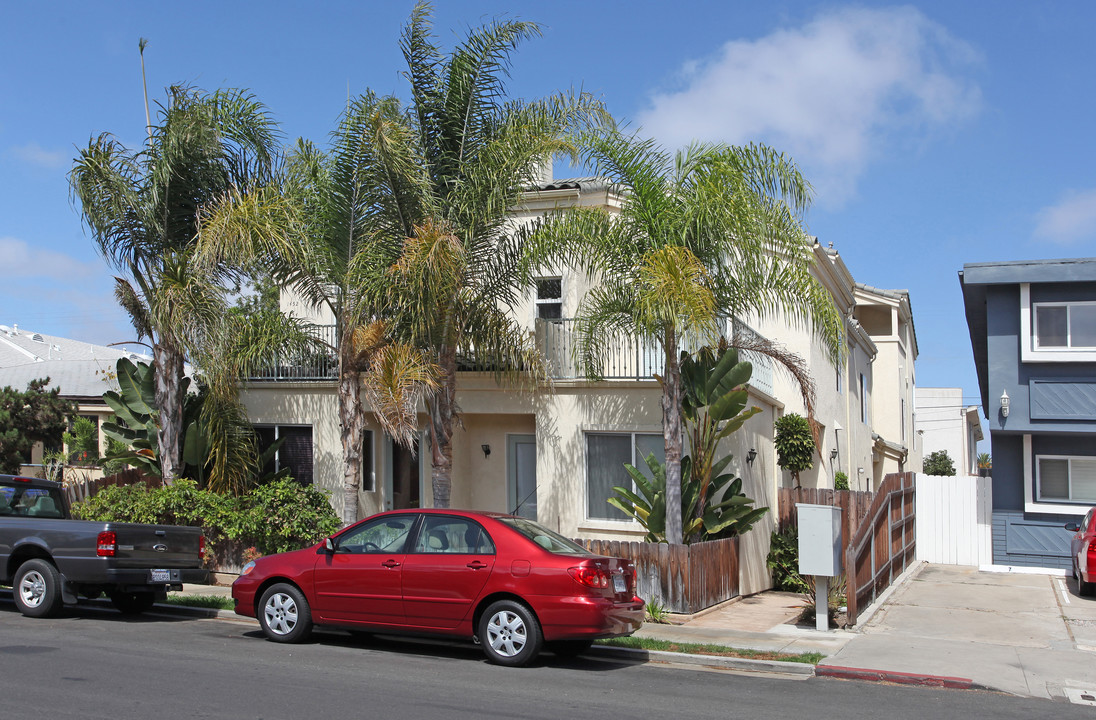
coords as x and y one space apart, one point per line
455 535
386 534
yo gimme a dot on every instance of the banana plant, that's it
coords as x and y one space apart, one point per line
136 417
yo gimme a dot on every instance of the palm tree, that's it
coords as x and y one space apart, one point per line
709 233
325 231
143 208
461 268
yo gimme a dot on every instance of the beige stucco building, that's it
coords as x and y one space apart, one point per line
554 452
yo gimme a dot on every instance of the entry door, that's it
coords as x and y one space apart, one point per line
521 467
402 476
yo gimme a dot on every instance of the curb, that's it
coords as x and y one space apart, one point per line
900 678
718 661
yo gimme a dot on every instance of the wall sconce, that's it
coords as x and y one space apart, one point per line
750 457
833 454
486 450
1004 403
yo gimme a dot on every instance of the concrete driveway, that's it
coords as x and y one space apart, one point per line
1020 633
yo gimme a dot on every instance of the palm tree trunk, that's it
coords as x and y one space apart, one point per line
351 428
671 435
441 407
168 362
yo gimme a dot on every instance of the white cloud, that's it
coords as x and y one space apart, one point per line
834 93
18 258
34 154
1072 219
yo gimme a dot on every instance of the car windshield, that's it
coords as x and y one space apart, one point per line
550 541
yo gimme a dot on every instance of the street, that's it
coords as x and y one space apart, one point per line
92 663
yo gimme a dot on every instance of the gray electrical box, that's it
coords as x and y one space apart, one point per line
819 540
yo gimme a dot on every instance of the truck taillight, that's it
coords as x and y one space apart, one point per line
107 544
589 576
201 547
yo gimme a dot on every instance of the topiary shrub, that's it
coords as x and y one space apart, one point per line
794 444
840 481
939 463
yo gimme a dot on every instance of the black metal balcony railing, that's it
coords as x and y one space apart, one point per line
311 366
623 359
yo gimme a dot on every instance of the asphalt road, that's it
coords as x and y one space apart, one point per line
96 664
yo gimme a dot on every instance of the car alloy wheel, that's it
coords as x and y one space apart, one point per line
32 589
37 588
510 633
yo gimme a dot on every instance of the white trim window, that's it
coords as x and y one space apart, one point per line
1066 479
549 301
1065 326
606 454
1058 331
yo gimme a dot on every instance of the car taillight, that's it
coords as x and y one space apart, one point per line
589 576
106 545
1092 546
201 547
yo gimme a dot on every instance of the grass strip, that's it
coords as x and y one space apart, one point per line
202 601
811 658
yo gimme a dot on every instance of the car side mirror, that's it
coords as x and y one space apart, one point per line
329 545
1073 527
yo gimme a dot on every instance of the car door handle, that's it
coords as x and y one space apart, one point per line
477 565
390 564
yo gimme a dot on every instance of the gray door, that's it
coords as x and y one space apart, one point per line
521 468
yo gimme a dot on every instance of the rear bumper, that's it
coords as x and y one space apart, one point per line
566 618
142 576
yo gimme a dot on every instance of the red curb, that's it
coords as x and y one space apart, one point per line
902 678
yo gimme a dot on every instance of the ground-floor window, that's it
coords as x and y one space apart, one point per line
295 452
606 454
1066 479
369 475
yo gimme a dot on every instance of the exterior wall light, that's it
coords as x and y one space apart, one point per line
833 454
750 457
486 449
1004 403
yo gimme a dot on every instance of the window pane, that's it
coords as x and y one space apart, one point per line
368 477
1053 479
1082 326
441 534
550 311
1082 479
647 444
549 288
296 453
383 535
605 458
1051 324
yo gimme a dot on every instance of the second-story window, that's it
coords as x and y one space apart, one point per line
550 298
863 399
1065 325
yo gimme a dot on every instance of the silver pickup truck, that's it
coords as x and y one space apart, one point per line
50 560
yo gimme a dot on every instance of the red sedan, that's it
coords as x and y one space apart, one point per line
506 582
1083 549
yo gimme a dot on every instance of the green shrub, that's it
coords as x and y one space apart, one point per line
939 463
840 481
783 560
273 518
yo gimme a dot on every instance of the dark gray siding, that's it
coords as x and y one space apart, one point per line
1031 540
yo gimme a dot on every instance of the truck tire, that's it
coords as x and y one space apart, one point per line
132 603
37 588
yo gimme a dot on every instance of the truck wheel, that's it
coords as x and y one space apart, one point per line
284 614
37 588
132 603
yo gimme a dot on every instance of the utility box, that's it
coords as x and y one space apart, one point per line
819 540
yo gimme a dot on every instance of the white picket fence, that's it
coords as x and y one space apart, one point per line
955 520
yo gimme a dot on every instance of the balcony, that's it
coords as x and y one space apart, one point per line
626 359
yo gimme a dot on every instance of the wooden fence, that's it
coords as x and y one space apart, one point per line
681 578
80 490
884 545
854 506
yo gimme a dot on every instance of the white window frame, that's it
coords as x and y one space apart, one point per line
537 301
1031 482
1029 349
628 524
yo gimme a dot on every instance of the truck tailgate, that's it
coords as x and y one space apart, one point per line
156 546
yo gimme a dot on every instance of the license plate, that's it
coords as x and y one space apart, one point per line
160 575
618 584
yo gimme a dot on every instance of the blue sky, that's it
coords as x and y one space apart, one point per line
935 133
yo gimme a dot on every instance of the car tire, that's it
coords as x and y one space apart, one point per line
132 603
36 588
510 634
1085 589
284 614
569 648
